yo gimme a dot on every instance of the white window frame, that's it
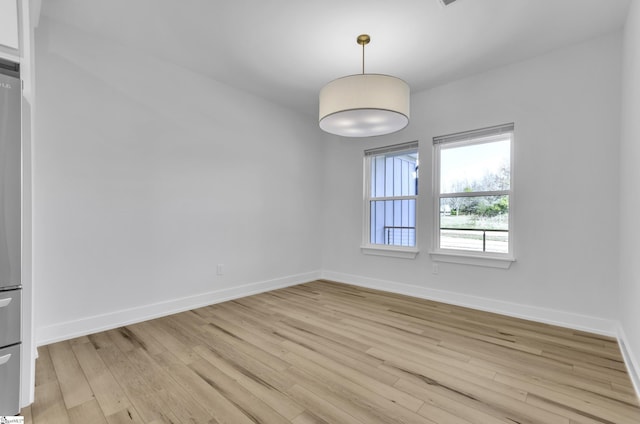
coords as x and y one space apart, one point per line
467 257
407 252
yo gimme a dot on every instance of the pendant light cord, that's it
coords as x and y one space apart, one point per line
363 59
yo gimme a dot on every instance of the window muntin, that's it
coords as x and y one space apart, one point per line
391 190
474 192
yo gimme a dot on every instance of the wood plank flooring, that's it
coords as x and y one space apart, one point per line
325 353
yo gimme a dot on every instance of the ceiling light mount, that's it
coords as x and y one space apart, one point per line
364 39
364 105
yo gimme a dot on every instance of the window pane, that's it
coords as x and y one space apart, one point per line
479 223
377 176
393 222
394 174
476 167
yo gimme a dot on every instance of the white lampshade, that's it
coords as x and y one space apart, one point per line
364 105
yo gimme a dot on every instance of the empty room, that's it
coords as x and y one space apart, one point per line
414 211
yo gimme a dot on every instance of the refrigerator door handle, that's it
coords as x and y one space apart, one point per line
4 359
5 302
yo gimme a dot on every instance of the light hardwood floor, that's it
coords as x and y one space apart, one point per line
330 353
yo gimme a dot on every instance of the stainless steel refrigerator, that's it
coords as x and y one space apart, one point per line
10 234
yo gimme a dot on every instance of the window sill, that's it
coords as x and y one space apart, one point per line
468 258
392 252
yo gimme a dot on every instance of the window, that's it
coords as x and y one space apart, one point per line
391 192
473 195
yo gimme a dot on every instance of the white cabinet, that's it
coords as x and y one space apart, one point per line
9 24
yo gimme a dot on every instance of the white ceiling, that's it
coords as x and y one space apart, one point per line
286 50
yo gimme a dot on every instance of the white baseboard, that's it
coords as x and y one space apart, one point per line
631 361
534 313
93 324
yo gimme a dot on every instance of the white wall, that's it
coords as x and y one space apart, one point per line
630 193
566 110
147 175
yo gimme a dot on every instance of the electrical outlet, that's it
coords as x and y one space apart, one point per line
220 269
435 268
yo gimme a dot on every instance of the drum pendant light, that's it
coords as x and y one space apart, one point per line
364 105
